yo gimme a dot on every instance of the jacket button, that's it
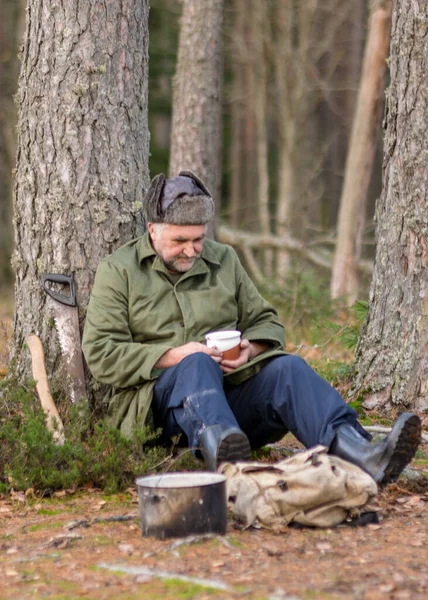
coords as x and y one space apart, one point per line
181 323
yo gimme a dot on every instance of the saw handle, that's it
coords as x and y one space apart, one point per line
64 279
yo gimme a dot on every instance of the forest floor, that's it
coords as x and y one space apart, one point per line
83 544
87 545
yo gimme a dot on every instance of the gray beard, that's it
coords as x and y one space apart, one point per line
174 266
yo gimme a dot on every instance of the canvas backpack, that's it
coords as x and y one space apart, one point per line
312 488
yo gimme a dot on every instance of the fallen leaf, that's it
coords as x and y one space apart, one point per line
126 548
143 579
272 550
19 497
413 500
60 494
217 564
11 572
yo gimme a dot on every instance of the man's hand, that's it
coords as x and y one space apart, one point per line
176 355
248 350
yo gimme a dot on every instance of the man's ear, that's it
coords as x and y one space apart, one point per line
151 229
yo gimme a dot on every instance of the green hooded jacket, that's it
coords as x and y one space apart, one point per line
136 314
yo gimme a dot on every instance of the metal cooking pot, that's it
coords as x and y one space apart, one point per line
182 504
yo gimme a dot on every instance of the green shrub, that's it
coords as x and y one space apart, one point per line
92 452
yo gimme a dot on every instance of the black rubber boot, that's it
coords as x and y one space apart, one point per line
385 460
220 443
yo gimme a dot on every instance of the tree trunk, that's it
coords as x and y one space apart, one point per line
392 352
82 163
362 148
259 86
11 30
237 164
284 72
197 96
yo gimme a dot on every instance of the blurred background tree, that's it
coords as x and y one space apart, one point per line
291 76
12 15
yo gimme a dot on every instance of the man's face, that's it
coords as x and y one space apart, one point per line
179 246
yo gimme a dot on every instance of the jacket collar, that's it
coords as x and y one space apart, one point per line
145 250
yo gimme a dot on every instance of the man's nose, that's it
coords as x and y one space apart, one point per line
189 251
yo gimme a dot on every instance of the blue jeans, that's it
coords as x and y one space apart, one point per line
286 395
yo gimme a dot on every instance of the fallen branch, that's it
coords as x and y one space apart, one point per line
247 240
379 429
208 583
53 420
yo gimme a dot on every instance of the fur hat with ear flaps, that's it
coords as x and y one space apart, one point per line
183 200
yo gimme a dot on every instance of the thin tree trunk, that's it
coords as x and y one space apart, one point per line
362 148
260 90
82 163
236 154
284 73
237 208
197 96
392 353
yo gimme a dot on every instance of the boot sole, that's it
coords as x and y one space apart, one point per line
233 448
408 440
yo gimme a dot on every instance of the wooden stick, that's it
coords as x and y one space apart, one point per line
380 429
145 571
53 420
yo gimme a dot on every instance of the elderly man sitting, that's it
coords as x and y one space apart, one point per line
152 303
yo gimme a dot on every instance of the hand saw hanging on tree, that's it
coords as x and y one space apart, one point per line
66 318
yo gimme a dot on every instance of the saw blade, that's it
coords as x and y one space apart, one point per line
67 326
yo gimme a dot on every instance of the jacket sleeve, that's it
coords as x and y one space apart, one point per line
258 320
112 355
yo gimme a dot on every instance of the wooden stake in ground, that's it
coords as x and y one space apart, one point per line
53 420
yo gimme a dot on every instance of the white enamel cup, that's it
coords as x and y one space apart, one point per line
227 341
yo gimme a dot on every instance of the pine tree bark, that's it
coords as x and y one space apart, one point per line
361 154
82 162
391 355
197 95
